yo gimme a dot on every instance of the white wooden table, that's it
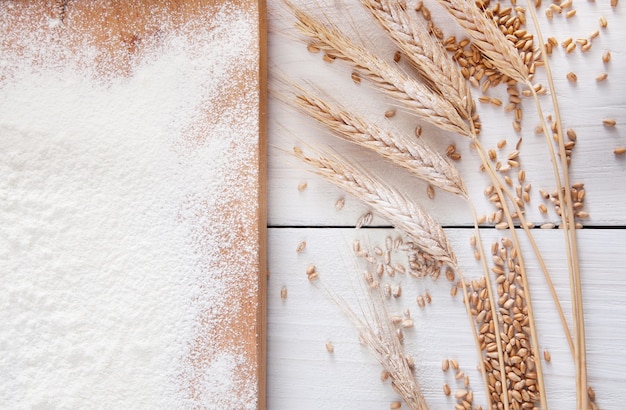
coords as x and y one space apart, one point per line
301 373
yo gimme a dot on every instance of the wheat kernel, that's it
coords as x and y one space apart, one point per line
430 191
606 57
313 48
619 151
395 405
496 101
302 186
420 301
591 393
355 77
572 77
397 55
602 76
418 131
603 22
301 246
454 364
570 13
407 323
445 365
460 394
614 3
329 347
546 356
283 292
328 58
570 48
609 122
340 204
446 389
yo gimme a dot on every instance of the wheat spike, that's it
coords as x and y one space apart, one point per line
425 53
377 332
415 156
420 99
492 43
387 202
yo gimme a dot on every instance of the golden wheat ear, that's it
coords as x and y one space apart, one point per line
386 201
419 98
413 154
423 51
488 38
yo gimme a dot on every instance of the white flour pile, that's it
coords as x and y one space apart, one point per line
114 256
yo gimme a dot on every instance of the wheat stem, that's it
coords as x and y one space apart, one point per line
582 399
516 244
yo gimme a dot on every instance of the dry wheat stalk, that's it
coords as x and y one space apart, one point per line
426 54
387 202
415 156
488 38
377 332
420 99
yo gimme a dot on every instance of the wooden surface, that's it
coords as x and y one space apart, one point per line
301 373
120 30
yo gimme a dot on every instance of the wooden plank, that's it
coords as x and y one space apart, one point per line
303 374
112 43
584 104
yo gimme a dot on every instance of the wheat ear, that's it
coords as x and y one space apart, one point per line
420 99
488 38
425 53
417 157
387 202
378 334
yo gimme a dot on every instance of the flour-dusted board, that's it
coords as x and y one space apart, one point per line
132 213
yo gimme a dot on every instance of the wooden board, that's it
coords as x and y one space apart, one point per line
111 42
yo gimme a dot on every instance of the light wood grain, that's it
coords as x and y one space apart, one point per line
303 374
583 104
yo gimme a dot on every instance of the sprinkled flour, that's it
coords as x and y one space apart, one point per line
127 204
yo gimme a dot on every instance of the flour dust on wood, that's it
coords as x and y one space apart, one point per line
127 208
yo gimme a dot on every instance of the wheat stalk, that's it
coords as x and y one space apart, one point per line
415 156
420 99
377 333
387 202
424 52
